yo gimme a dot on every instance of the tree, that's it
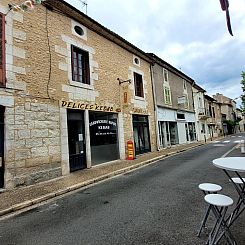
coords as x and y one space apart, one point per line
243 89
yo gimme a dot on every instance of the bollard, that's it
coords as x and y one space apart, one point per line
242 146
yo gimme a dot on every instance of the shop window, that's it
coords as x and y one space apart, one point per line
2 50
80 65
138 85
167 96
103 137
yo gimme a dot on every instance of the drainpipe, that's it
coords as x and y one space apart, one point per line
155 106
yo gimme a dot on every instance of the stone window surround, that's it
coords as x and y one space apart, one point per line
165 96
136 57
165 71
184 85
73 24
132 86
69 42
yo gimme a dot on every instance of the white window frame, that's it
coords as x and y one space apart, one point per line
167 98
165 71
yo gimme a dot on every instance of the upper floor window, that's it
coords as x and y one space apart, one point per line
200 103
184 84
167 96
186 102
165 75
80 65
138 85
2 50
136 60
213 111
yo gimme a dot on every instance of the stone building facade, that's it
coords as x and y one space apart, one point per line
72 94
174 104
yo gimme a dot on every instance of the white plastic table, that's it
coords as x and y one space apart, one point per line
237 166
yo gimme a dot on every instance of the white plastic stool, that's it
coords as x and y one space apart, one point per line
207 188
238 181
219 204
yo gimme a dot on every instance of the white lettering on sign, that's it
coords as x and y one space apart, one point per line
103 127
102 122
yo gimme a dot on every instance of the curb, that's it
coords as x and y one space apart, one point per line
61 192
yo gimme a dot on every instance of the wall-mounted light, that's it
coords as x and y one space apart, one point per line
123 81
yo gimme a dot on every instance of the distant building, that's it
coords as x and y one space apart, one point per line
174 102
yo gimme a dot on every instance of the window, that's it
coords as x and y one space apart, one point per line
213 112
165 75
199 102
186 102
2 51
138 85
184 84
136 60
167 96
180 116
79 30
80 65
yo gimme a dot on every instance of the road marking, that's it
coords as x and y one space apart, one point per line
218 145
216 141
226 141
237 141
229 151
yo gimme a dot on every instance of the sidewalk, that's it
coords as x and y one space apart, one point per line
19 198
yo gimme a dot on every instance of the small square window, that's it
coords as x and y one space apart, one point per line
80 65
138 85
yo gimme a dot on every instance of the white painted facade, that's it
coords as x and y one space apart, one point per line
200 119
170 115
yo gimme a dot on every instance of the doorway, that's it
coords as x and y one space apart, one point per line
1 147
76 140
141 134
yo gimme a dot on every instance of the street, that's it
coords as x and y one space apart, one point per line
157 204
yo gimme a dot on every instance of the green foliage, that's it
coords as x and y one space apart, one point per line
243 89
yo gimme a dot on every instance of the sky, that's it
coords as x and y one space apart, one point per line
191 35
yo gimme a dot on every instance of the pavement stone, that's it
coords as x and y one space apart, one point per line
23 197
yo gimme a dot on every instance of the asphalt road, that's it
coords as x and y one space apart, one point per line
157 204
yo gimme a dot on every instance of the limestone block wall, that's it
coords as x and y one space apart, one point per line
33 151
38 70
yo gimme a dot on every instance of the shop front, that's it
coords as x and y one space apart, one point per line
92 134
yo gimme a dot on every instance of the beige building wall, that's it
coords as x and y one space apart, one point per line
176 86
38 57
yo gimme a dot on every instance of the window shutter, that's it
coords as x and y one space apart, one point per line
2 50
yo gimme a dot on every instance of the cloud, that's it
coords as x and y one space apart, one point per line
189 34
